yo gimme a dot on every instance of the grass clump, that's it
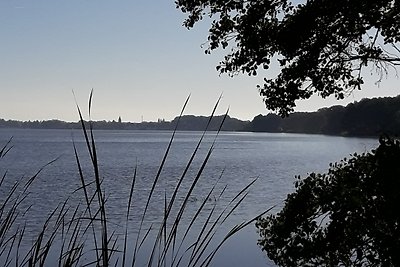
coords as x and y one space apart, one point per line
84 236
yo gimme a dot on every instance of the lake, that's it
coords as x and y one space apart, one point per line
237 159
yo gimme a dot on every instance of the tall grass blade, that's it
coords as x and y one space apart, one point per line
163 225
193 220
33 178
90 102
127 216
231 233
88 202
6 148
21 236
91 146
218 222
155 183
194 183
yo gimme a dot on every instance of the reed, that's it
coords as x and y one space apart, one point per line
82 234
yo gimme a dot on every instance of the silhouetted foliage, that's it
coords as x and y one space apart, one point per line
197 123
368 117
321 46
271 123
349 216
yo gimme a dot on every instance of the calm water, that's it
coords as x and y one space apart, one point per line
238 158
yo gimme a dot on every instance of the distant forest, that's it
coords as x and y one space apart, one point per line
368 117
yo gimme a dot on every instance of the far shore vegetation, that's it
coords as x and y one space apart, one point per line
368 117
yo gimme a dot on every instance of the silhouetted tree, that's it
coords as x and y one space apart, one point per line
368 117
333 123
270 123
347 217
321 46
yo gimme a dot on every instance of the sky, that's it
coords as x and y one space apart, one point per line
136 56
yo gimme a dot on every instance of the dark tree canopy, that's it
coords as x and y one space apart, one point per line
347 217
320 45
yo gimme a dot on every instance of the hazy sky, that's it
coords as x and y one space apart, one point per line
134 53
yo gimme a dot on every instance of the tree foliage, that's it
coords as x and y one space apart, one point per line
368 117
320 45
349 216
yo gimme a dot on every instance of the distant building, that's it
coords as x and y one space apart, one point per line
119 119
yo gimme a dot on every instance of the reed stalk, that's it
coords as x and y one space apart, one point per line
82 234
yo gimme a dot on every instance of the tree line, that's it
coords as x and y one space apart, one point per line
187 123
368 117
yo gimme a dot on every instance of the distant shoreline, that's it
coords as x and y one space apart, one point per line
368 117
